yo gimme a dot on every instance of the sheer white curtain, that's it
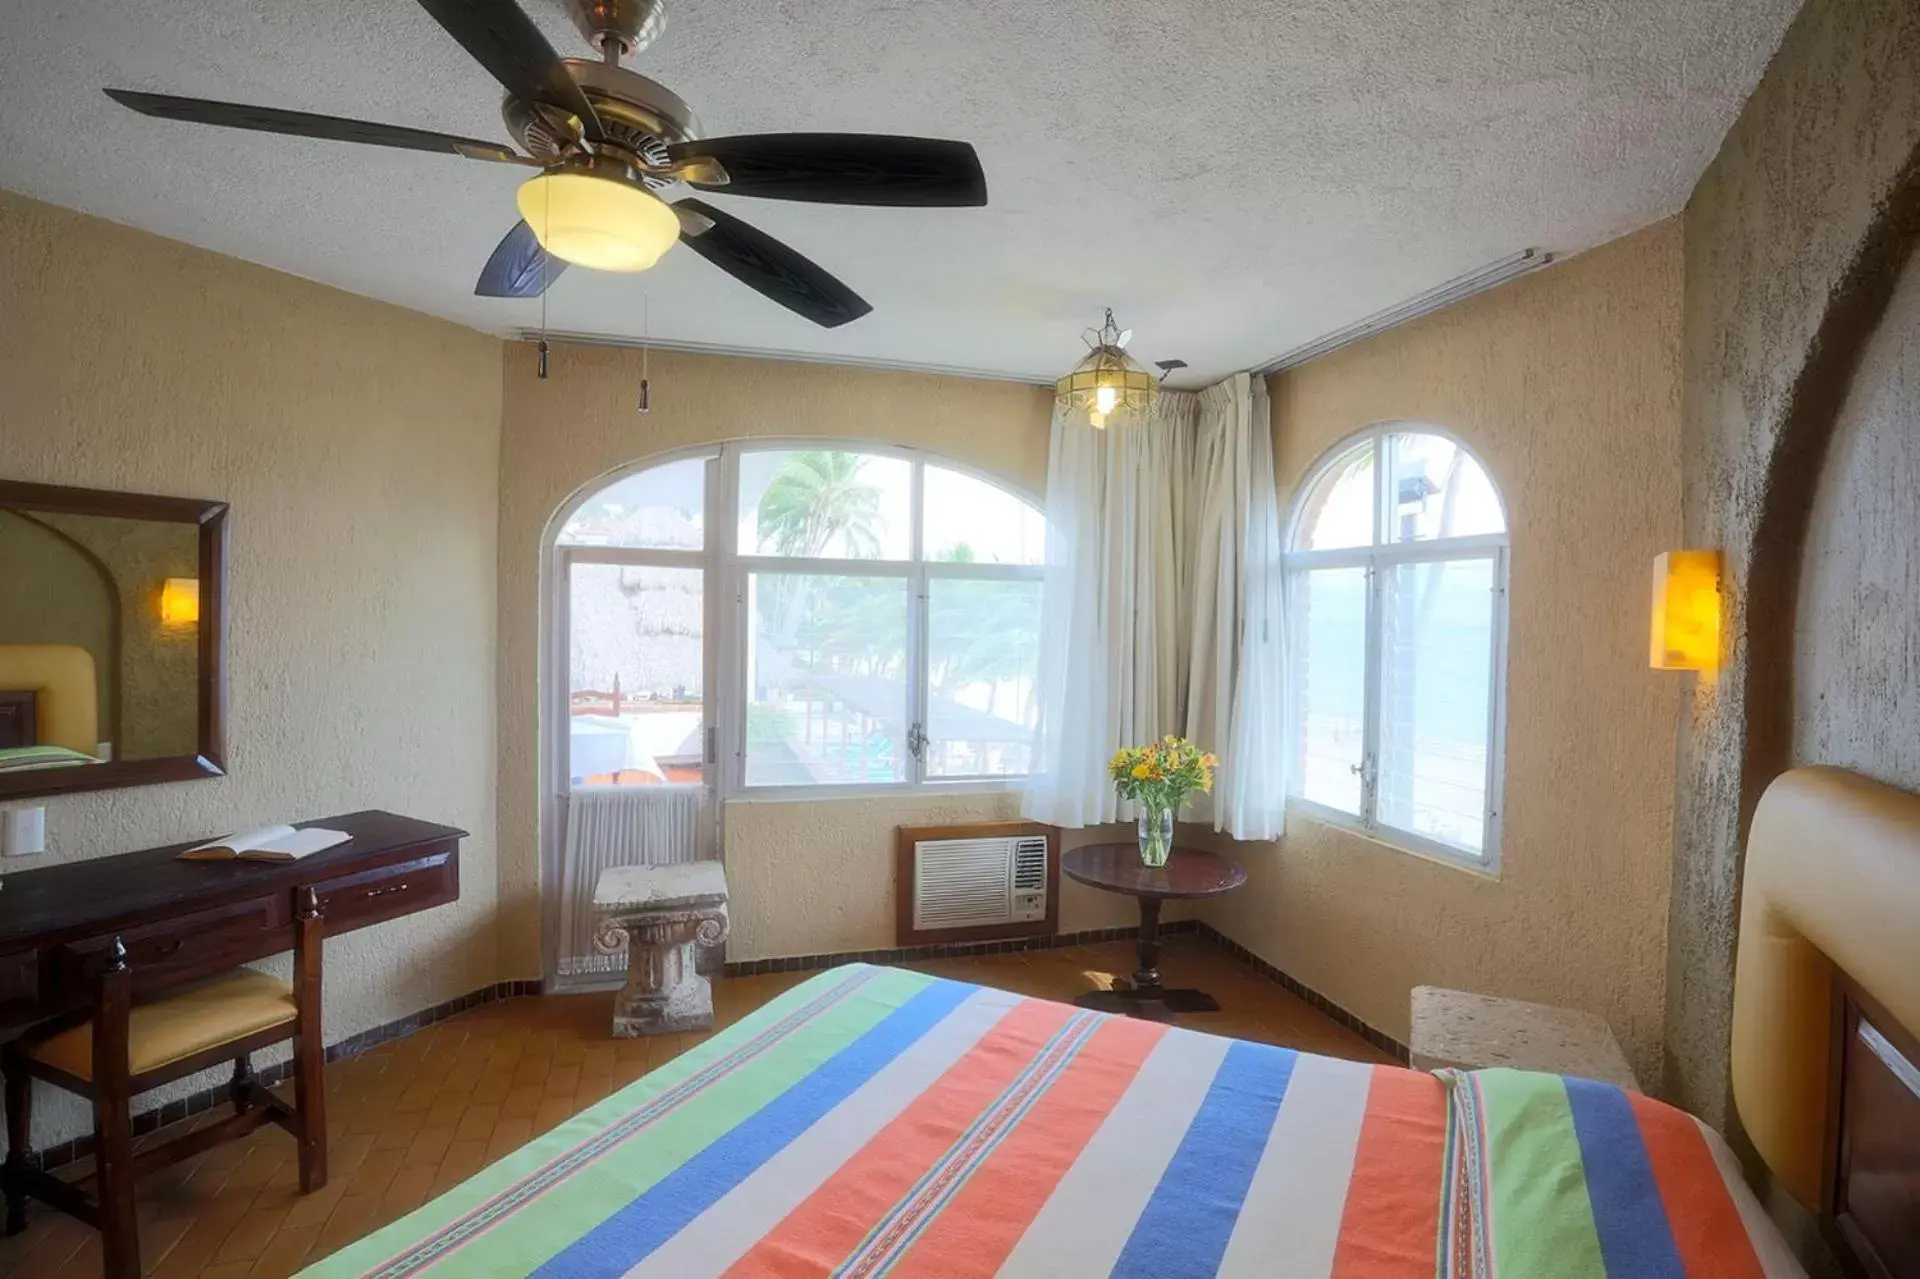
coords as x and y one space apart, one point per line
1113 634
1236 679
1162 605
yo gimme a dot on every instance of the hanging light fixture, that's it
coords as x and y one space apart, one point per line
598 213
1107 379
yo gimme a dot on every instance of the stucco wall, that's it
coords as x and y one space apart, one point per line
1566 384
1857 657
358 446
1794 239
808 877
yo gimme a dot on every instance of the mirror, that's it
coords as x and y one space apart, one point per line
111 639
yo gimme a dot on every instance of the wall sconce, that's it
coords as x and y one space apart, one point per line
1686 611
180 601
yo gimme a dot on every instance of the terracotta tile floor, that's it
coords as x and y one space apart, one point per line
414 1117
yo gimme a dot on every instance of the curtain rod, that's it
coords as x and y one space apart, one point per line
622 342
1445 295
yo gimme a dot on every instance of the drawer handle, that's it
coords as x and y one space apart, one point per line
400 887
171 946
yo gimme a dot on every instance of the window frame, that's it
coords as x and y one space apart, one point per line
727 568
1377 559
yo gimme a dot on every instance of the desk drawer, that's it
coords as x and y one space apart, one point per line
373 896
181 949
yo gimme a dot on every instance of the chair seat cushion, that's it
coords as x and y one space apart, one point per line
189 1020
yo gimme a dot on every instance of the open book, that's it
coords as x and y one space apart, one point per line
268 844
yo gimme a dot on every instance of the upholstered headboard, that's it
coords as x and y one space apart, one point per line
1831 895
66 707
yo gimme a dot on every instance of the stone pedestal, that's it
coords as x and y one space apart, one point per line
660 914
1465 1031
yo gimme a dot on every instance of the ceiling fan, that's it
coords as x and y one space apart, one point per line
606 139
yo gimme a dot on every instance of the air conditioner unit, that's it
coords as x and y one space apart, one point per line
989 881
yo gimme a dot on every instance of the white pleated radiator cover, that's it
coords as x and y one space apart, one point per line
620 826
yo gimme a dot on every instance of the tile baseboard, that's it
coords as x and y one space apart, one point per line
947 950
1372 1034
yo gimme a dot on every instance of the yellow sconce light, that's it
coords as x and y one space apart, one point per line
180 601
1686 611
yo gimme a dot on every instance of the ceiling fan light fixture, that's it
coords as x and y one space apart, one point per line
597 219
1107 380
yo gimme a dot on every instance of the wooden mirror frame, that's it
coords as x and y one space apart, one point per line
210 757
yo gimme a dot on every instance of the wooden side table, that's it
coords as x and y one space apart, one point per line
1189 873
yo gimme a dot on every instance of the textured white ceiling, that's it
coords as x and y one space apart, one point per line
1233 176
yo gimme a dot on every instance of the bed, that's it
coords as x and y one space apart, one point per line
879 1121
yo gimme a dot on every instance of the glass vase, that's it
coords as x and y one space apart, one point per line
1156 835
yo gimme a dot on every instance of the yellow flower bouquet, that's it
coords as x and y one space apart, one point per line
1160 777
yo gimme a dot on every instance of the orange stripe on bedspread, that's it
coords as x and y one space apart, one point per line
825 1229
1391 1225
979 1228
1706 1224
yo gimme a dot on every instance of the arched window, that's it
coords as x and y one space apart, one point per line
773 616
1397 588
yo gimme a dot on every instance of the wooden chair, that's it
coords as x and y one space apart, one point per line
126 1046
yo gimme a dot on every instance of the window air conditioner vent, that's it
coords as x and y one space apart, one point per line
990 884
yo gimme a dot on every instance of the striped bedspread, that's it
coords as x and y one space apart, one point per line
875 1121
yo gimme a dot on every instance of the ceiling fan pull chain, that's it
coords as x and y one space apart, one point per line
646 335
546 218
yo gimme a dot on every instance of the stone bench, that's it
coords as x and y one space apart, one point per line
1465 1031
660 914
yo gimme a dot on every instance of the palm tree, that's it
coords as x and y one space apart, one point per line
815 497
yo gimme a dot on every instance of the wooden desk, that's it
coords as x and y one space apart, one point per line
185 920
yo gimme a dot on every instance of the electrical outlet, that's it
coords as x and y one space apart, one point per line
23 831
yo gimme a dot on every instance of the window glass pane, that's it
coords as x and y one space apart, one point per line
1439 491
826 679
1436 686
972 521
1339 509
637 646
1330 677
826 503
983 653
663 508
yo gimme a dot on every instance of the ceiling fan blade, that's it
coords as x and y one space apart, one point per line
519 267
845 168
505 41
767 266
234 115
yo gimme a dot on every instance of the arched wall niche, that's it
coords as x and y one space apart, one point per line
1796 240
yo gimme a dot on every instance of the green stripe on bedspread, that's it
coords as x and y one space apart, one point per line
522 1210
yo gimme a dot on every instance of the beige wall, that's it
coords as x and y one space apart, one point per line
1566 384
806 877
1857 634
358 446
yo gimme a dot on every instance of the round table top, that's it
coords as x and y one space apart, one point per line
1189 872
